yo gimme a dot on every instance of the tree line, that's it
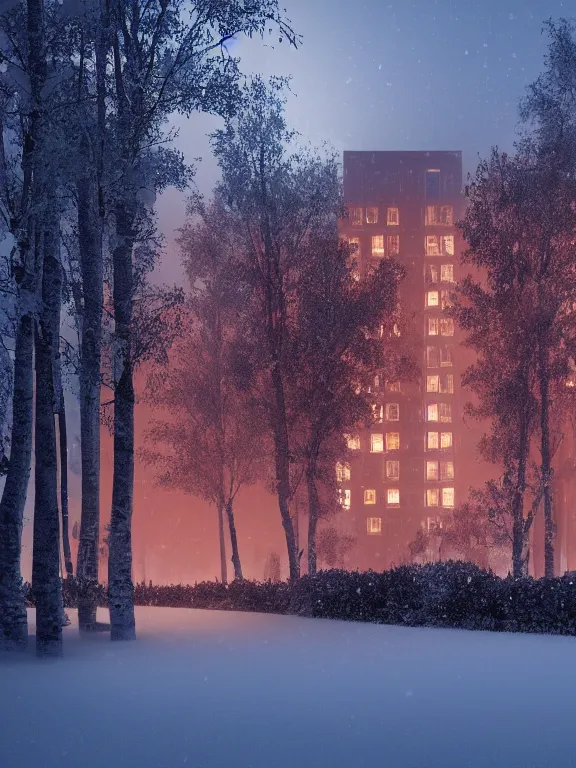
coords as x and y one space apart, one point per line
86 94
519 317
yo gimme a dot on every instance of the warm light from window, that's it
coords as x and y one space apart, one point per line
432 412
353 442
445 412
445 439
356 216
342 471
346 498
378 246
447 273
432 273
392 441
446 470
393 217
432 497
374 525
447 497
448 245
377 443
393 386
432 441
393 497
432 383
378 413
371 215
369 496
432 298
354 243
445 356
431 470
433 326
393 245
439 215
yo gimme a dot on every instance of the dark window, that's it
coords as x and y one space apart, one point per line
432 185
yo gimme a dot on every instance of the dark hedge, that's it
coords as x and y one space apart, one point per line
451 594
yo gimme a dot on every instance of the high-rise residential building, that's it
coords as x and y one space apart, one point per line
416 461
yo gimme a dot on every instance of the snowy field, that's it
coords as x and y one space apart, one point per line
207 689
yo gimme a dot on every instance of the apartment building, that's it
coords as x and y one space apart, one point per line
416 461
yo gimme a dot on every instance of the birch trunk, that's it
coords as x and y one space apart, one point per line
120 586
90 241
234 542
313 513
13 620
222 541
46 583
63 445
546 468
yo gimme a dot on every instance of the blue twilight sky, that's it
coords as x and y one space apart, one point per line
378 75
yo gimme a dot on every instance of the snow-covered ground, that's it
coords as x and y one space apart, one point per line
207 689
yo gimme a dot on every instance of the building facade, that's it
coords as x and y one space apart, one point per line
416 461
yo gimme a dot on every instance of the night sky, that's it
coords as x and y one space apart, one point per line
377 75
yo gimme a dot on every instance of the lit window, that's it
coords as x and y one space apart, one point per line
432 184
393 470
432 357
396 330
371 215
433 326
447 497
393 217
393 386
432 441
446 470
439 215
447 273
432 497
431 298
378 413
369 496
439 245
356 216
431 470
445 412
446 326
448 245
393 245
392 412
377 443
345 498
342 471
446 356
432 383
393 497
432 245
354 243
353 442
392 441
445 439
447 384
432 412
431 273
374 526
378 246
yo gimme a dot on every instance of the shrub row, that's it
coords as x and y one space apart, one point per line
451 594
